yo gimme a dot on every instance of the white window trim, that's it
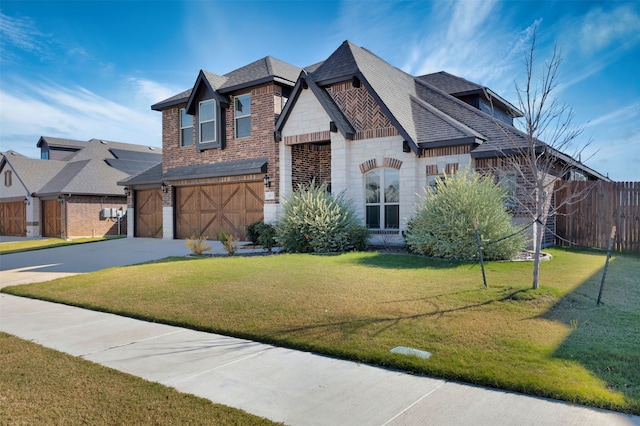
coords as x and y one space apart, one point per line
185 127
201 122
236 116
381 204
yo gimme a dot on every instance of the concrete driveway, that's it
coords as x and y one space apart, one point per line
49 264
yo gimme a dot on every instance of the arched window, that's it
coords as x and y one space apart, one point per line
382 198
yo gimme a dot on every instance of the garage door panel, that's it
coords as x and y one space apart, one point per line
148 210
229 206
51 219
13 219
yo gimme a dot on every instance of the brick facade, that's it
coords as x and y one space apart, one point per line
81 216
266 106
310 162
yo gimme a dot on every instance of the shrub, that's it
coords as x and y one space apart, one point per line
443 224
253 231
267 236
229 242
263 234
197 243
315 221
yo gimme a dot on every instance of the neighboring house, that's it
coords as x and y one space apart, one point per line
71 191
236 145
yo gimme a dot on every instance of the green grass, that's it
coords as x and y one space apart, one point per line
553 342
43 386
28 245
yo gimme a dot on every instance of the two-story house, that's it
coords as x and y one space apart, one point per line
236 145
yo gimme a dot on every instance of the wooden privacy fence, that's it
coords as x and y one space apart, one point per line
596 207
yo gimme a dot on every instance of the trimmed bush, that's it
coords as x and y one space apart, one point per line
253 231
443 224
316 221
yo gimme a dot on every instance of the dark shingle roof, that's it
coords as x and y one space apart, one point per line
458 86
258 72
60 142
231 168
94 169
500 137
449 83
178 99
152 175
262 70
33 173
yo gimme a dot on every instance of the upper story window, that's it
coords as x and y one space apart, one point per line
44 155
242 111
7 178
186 128
207 121
382 198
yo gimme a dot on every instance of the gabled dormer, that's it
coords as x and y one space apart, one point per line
208 107
58 148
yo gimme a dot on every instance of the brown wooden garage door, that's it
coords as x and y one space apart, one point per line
209 208
148 210
13 219
51 219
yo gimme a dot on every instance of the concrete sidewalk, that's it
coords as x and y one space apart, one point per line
294 387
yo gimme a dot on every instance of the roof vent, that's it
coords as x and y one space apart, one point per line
152 148
103 142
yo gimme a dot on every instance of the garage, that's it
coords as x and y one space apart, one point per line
148 211
13 219
209 208
51 219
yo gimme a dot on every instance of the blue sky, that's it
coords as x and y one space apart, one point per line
91 69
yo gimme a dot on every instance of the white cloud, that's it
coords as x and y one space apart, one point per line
600 29
20 34
29 111
462 40
622 114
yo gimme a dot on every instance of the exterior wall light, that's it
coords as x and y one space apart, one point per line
165 188
127 191
267 181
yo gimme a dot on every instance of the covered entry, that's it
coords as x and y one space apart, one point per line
148 211
206 209
13 219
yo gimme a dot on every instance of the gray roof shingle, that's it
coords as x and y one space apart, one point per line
87 171
257 72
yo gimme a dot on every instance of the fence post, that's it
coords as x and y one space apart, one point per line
606 263
475 229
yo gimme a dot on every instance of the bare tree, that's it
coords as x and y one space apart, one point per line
539 165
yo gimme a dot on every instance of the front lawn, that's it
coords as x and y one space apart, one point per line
553 342
41 386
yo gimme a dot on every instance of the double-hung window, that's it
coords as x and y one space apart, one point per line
382 199
186 128
207 121
243 116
